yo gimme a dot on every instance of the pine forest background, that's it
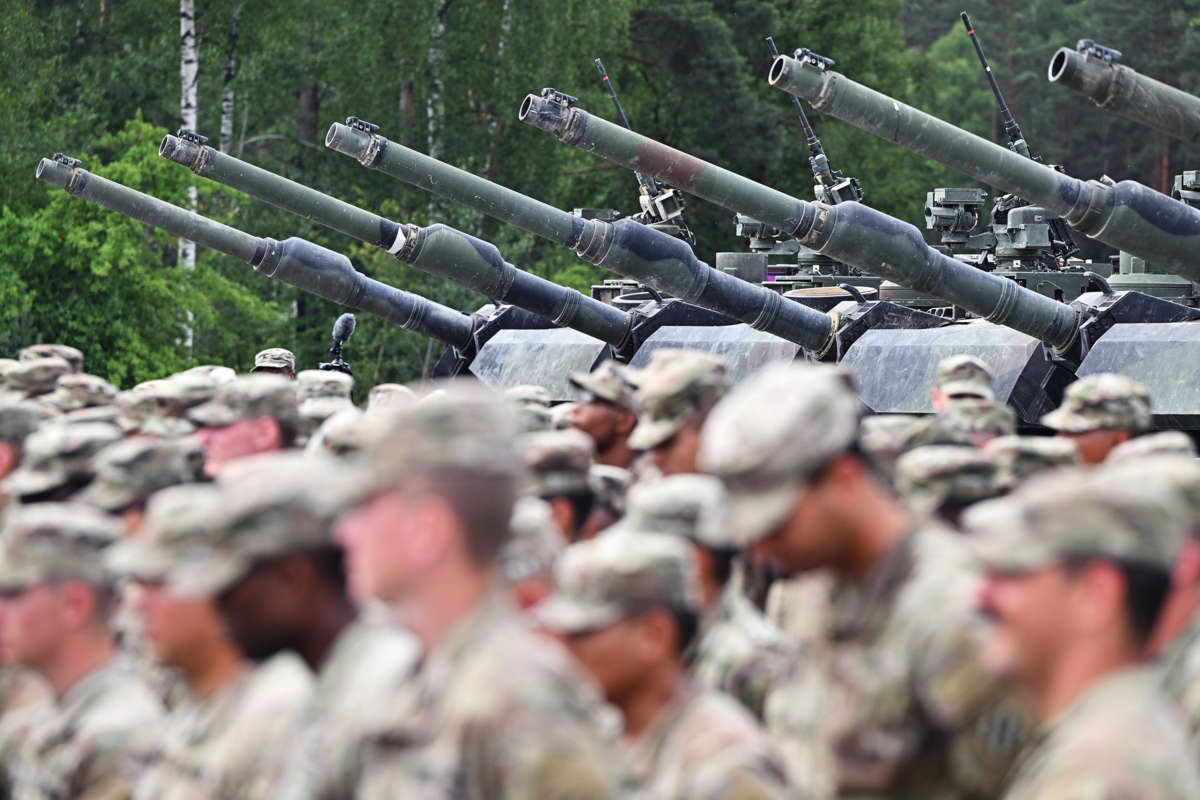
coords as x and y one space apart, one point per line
101 80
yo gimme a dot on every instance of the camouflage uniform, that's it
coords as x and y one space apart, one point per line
495 709
1163 443
274 358
24 698
557 462
894 700
965 375
1104 401
701 744
1119 737
1023 456
78 749
535 544
931 476
609 486
885 437
672 389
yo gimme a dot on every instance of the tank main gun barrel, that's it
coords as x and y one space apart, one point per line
294 261
849 231
1092 70
437 249
626 247
1126 215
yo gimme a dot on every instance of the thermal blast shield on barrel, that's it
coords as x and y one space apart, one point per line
1092 70
1126 215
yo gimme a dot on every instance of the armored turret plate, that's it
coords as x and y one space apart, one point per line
742 348
541 357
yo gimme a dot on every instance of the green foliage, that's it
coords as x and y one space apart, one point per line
101 82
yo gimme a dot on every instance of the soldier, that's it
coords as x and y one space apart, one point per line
1022 456
59 461
321 394
961 377
280 585
945 480
627 604
609 486
557 465
894 699
1099 412
1099 553
235 720
57 597
34 378
676 390
886 437
605 412
275 360
532 404
1163 443
128 472
392 396
967 421
495 710
736 650
18 419
254 414
71 355
75 391
527 561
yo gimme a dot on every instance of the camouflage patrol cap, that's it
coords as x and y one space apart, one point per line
110 414
217 373
928 477
314 411
178 523
67 353
20 418
1178 471
694 507
610 486
1162 443
884 437
57 453
1022 456
129 471
466 428
535 544
392 396
80 390
557 462
47 542
533 418
1075 513
673 388
968 422
560 416
274 358
277 505
345 434
36 376
766 451
602 580
249 397
313 384
528 393
1105 401
609 382
5 365
965 375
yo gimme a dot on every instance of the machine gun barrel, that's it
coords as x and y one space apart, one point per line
814 144
1126 215
849 231
1093 72
294 261
644 183
625 246
437 249
1015 138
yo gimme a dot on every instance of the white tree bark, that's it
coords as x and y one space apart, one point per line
502 41
227 93
435 103
189 68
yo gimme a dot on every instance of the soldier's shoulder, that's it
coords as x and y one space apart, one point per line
279 686
123 701
727 749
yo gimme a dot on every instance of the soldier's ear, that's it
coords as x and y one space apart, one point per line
78 604
658 636
8 458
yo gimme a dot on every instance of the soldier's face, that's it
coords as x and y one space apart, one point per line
1094 446
610 654
377 538
31 625
599 420
808 538
1028 629
677 455
180 629
258 613
243 438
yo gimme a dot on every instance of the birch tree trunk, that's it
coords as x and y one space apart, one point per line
495 127
435 103
227 93
189 68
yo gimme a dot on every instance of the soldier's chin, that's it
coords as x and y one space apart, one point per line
1000 654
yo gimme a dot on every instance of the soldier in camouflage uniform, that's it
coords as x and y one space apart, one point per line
321 394
57 596
1022 456
605 412
894 700
280 585
75 391
961 377
495 709
254 414
59 461
886 437
970 422
736 650
1099 553
527 560
1100 412
275 360
128 472
557 465
609 486
234 721
945 480
18 419
675 393
627 605
34 378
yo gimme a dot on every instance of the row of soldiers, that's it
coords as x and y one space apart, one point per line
222 586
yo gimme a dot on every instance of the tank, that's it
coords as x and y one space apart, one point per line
1126 215
314 269
1093 71
1023 320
